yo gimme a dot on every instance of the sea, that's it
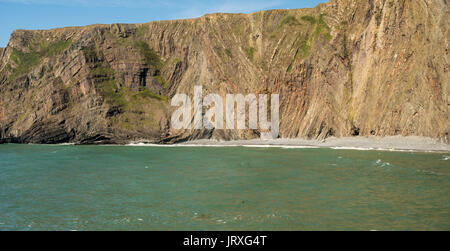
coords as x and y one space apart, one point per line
78 188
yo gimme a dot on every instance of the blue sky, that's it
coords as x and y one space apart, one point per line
46 14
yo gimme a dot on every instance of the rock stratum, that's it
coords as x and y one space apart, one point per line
344 68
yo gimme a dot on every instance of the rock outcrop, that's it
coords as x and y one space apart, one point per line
343 68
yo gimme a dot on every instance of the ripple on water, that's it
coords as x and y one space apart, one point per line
380 163
232 188
428 172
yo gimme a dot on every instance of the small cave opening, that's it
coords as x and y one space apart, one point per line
355 132
330 133
143 77
112 112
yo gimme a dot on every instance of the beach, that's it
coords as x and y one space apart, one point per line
394 143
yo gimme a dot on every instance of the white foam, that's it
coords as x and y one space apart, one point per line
219 144
200 145
258 146
353 148
179 145
221 221
380 163
149 145
67 144
300 147
281 146
372 149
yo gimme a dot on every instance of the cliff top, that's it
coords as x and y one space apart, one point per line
20 32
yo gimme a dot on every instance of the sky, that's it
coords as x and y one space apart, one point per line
47 14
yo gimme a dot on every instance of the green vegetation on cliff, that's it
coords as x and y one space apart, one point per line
151 58
250 51
153 61
321 28
53 49
289 20
106 84
25 61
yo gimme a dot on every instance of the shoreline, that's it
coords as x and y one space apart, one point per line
392 143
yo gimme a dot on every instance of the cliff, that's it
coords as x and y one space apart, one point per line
343 68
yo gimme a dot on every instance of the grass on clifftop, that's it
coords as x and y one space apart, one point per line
25 61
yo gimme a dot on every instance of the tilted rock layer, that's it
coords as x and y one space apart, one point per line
343 68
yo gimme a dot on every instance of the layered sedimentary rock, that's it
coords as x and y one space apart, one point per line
343 68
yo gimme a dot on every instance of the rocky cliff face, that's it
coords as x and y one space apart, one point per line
344 68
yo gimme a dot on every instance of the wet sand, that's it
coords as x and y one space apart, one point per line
395 143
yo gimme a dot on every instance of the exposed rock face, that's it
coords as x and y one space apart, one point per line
344 68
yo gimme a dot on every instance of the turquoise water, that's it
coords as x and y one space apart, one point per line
233 188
